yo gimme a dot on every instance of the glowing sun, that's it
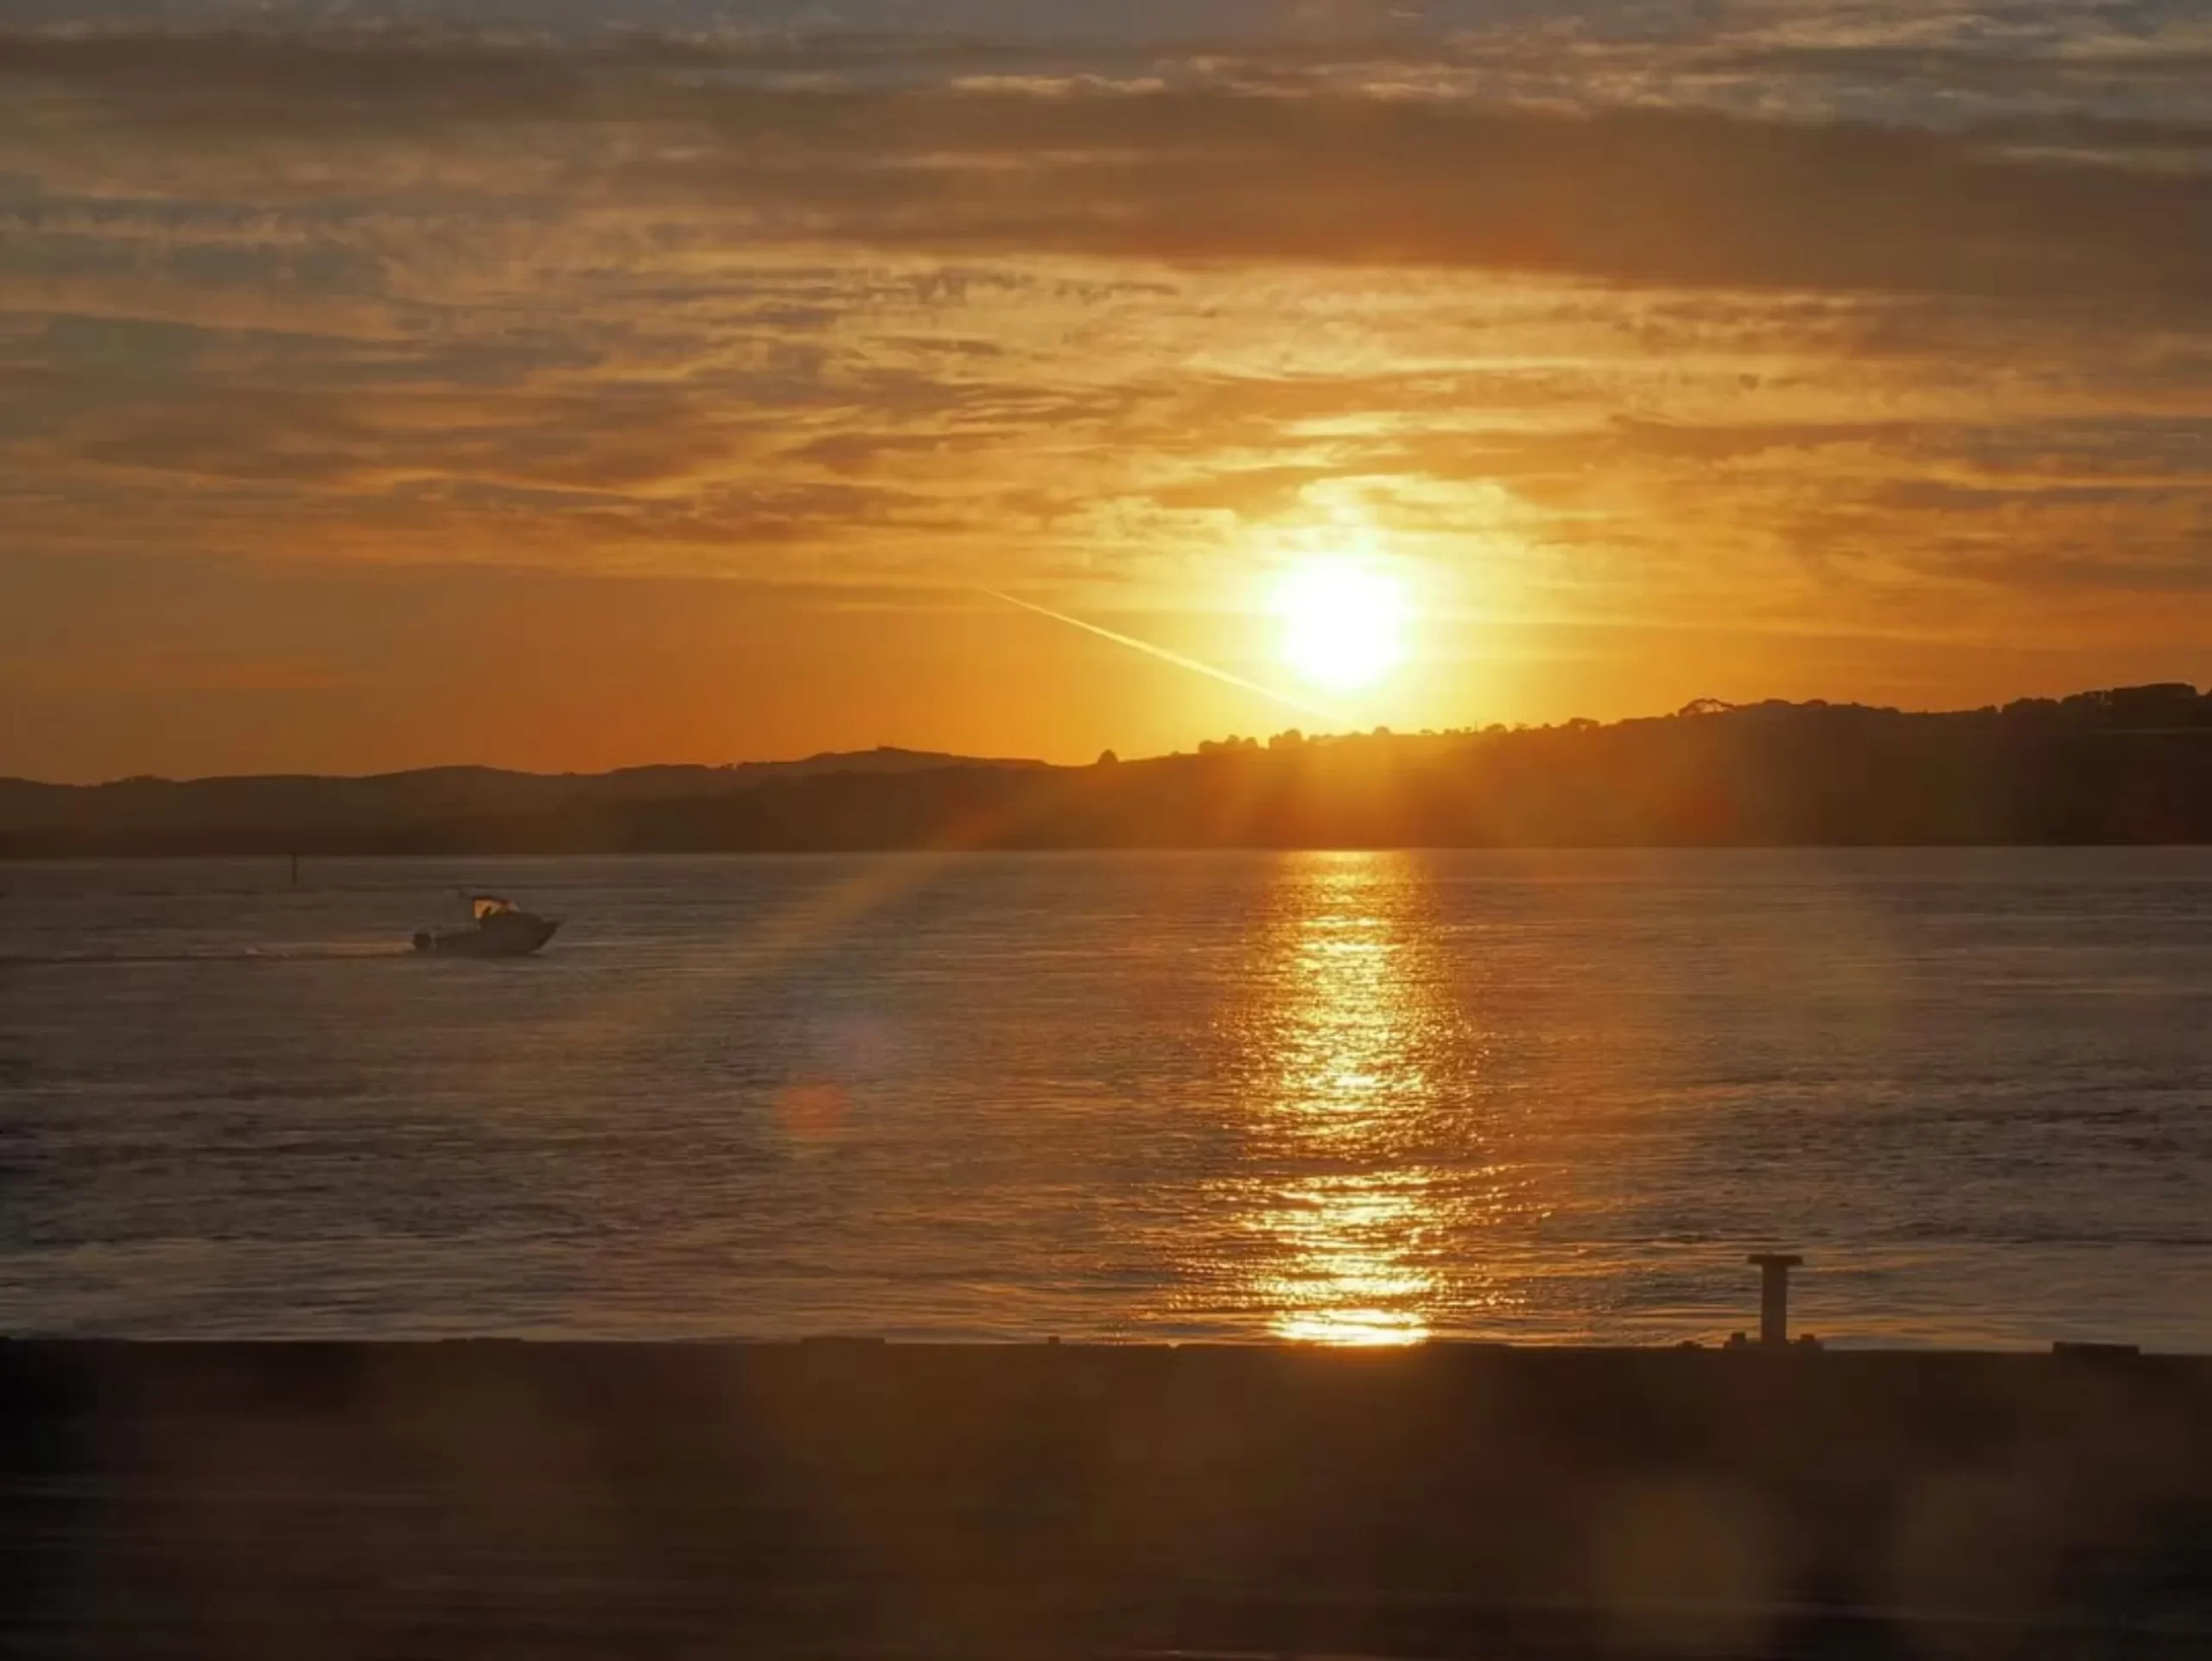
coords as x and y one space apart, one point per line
1344 622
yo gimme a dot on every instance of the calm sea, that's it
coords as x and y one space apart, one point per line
1348 1097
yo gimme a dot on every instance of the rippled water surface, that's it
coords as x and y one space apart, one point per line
1361 1098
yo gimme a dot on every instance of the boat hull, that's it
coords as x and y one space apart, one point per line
512 937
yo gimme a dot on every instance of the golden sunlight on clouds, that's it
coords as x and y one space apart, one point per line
1465 407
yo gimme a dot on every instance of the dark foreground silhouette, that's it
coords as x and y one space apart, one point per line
834 1500
2128 766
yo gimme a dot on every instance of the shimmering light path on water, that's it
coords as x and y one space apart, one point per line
1343 1098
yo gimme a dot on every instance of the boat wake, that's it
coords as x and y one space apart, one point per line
333 952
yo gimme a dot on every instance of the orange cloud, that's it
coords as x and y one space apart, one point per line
1596 351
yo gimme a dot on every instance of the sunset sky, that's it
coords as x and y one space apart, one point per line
385 385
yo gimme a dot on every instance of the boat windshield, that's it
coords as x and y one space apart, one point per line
484 906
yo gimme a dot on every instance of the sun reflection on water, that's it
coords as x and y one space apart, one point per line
1345 1279
1346 1223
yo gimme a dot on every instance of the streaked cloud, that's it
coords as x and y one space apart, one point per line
1896 327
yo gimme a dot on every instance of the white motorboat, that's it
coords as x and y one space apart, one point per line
497 928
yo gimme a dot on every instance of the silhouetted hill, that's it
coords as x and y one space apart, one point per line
306 810
2132 764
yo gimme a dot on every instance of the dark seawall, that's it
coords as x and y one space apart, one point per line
849 1499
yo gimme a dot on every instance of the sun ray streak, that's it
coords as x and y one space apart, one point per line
1289 701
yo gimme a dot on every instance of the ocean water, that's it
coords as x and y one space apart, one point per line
1343 1098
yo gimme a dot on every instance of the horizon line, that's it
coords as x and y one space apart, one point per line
1696 707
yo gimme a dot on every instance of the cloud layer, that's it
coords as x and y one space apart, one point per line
1838 326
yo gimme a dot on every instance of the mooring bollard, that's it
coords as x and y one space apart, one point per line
1774 1294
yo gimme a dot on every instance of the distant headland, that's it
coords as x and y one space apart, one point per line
2132 765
